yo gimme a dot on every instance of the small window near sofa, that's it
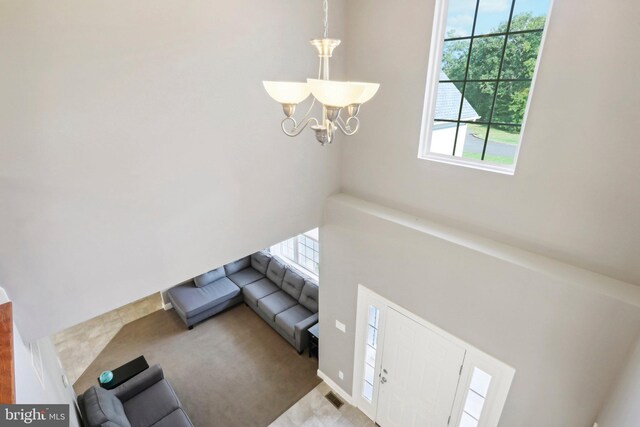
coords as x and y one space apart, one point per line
482 63
303 251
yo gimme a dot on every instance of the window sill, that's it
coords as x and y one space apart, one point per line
468 163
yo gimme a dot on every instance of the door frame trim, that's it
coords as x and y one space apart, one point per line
505 372
366 297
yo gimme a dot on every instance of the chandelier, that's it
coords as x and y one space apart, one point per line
336 97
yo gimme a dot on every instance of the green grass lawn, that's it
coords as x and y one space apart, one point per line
497 135
500 160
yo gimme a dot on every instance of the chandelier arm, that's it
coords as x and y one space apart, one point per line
313 102
297 128
343 124
346 124
346 127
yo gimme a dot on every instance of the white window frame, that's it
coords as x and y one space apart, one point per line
276 250
365 299
433 76
501 379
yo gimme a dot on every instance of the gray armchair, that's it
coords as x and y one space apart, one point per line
145 400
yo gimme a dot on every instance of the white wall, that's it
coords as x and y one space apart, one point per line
139 148
29 389
572 196
53 389
622 409
566 340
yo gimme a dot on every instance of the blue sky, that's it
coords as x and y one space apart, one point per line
490 14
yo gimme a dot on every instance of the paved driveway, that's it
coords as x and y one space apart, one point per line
474 145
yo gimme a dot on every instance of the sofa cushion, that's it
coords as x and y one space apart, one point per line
192 300
276 271
235 266
209 277
257 290
276 303
292 284
152 405
243 277
287 319
260 261
309 296
102 406
177 418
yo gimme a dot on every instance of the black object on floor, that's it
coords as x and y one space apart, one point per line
125 372
314 338
335 400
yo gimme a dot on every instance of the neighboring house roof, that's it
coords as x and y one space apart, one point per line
448 102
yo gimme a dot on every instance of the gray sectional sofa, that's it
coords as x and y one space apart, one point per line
145 400
281 296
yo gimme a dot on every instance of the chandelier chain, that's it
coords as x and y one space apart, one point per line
325 8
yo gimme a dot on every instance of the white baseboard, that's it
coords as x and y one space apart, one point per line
168 306
335 387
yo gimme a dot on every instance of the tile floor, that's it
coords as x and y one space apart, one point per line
314 410
79 345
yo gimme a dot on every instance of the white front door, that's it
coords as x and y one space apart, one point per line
419 375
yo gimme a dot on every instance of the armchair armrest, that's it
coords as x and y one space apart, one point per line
139 383
301 336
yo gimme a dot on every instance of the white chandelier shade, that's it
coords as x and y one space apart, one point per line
369 92
287 92
328 92
337 98
340 94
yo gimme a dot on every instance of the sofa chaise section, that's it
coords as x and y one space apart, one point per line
204 296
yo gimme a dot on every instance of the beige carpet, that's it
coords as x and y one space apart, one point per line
231 370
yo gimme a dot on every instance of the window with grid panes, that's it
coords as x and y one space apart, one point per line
308 253
484 56
368 380
302 250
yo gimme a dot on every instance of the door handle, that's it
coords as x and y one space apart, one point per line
383 380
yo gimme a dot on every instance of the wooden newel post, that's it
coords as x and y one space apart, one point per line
7 379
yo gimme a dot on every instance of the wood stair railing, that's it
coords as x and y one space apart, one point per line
7 380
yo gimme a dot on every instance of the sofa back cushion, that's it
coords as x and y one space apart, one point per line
293 284
209 277
309 296
260 261
103 407
235 266
276 271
